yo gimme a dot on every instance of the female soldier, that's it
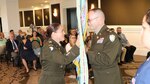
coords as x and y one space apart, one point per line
143 73
53 56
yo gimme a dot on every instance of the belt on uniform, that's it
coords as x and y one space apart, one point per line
53 73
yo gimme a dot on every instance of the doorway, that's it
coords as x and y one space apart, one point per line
0 25
71 18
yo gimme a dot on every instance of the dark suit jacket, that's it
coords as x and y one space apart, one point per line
9 47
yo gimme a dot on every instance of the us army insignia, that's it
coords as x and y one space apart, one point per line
100 40
112 38
51 48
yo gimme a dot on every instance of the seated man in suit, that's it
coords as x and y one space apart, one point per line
11 48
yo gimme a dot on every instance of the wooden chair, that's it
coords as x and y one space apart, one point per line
2 52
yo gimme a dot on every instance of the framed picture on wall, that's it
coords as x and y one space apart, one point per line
21 18
38 17
71 18
28 16
55 11
46 16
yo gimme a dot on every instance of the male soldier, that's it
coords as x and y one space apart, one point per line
104 52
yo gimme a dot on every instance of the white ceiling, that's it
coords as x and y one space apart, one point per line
32 3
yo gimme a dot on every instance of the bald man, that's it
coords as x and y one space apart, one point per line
105 50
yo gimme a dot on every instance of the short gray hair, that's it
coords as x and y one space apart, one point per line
98 12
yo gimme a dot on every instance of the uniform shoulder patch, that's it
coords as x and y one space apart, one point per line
51 46
112 37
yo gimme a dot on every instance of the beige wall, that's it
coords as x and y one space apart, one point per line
0 11
133 34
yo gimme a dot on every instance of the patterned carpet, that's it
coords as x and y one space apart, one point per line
14 75
129 70
10 75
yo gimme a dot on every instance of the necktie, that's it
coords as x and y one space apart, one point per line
94 39
14 46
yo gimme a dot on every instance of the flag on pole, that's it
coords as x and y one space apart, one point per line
81 60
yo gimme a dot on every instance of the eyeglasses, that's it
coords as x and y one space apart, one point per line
89 20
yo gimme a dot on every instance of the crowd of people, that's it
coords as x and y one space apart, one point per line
21 49
54 50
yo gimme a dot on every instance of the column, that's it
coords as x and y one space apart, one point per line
9 10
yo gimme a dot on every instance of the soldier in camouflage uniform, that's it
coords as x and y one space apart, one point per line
54 57
105 50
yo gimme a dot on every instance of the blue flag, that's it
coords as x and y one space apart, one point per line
81 60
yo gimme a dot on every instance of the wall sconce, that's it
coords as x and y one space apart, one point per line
92 6
55 12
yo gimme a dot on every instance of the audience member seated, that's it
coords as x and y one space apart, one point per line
73 31
37 43
19 39
2 39
123 54
112 29
125 43
72 41
122 57
27 53
88 42
2 45
12 49
12 31
41 34
64 43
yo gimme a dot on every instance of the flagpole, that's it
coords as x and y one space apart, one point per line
82 24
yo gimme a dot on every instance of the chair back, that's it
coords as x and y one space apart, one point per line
2 49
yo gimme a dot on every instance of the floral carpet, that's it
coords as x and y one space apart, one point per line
15 75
